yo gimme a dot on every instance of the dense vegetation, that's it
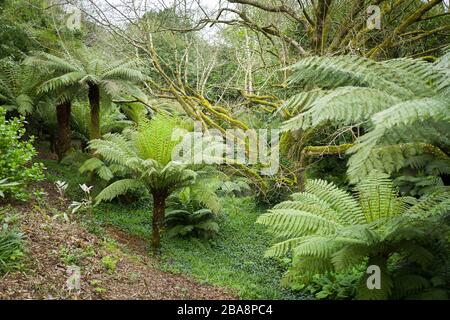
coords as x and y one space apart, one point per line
160 125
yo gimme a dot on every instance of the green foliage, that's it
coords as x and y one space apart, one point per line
329 286
17 87
16 155
184 223
10 249
110 263
11 245
187 216
111 120
402 104
327 229
75 256
4 184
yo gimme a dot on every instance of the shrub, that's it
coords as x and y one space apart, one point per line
188 217
15 156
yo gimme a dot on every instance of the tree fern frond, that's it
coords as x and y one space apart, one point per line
409 284
300 102
316 246
349 256
436 203
345 105
321 210
378 197
283 248
67 79
334 72
53 62
411 111
310 266
344 204
118 188
90 165
294 223
154 139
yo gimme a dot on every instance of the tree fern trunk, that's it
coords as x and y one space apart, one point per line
64 135
94 101
159 209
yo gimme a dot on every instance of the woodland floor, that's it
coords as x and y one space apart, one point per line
115 265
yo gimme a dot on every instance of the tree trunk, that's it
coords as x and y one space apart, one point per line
64 135
319 31
159 209
94 101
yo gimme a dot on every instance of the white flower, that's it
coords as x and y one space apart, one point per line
86 188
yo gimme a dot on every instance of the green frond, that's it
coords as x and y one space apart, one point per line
408 285
342 202
319 208
300 102
118 188
310 266
315 246
422 77
349 256
91 164
294 223
343 106
124 74
282 248
378 197
57 83
115 149
53 62
411 111
395 128
154 139
418 254
339 71
24 104
434 204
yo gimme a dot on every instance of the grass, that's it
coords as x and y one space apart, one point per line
233 259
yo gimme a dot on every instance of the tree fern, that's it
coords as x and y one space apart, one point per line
17 87
145 156
327 229
402 104
101 77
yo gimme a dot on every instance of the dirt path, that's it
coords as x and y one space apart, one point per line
110 269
